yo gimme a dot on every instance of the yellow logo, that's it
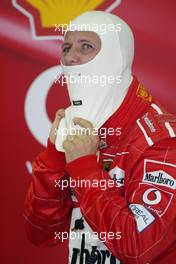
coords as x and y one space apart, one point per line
44 15
142 92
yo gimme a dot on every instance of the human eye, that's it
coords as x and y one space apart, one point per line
65 49
87 46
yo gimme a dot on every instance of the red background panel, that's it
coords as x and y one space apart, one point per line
22 60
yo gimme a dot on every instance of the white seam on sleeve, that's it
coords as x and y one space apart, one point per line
148 139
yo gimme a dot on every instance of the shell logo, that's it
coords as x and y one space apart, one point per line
44 15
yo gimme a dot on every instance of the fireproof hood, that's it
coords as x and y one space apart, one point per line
98 87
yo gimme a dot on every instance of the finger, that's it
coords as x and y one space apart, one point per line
58 116
82 122
60 113
70 137
66 145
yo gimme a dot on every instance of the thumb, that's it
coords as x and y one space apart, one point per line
58 116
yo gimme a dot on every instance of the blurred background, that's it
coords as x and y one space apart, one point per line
30 49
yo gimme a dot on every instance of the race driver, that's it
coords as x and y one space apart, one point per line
136 214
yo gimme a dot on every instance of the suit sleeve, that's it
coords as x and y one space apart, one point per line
143 214
47 207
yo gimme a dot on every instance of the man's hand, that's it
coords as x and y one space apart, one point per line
82 144
53 132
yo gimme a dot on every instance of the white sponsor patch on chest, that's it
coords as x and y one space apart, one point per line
118 175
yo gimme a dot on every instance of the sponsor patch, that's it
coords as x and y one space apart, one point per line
143 93
149 123
78 102
159 173
93 254
118 175
142 216
153 198
106 165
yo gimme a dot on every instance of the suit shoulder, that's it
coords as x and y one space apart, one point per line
153 126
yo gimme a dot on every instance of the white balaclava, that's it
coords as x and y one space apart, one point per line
98 97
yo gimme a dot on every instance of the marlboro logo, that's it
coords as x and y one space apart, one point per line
160 178
45 15
159 173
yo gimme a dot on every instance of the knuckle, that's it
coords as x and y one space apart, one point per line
65 144
60 112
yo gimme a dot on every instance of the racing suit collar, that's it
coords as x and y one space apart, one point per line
124 117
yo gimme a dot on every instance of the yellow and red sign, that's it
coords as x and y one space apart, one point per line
44 15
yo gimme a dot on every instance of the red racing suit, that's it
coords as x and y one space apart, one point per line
140 206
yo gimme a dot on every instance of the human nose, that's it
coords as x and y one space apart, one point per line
72 57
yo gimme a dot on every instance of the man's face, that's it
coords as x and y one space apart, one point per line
79 47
